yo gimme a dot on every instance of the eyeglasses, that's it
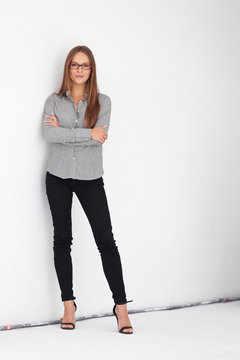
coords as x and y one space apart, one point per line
75 66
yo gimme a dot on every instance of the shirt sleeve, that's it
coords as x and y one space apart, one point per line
60 134
103 119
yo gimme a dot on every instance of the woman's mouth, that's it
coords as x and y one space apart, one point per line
79 76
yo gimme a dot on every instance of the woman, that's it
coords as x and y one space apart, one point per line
76 122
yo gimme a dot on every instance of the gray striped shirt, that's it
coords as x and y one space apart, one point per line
73 153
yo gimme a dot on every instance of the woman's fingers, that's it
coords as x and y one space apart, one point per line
51 123
52 116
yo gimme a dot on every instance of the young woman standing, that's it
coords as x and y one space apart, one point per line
76 122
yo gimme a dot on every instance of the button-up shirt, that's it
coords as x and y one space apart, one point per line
73 153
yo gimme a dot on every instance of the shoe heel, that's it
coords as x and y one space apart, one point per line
75 306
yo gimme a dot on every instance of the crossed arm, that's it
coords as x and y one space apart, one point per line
75 136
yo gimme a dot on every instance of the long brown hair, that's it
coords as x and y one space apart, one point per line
91 87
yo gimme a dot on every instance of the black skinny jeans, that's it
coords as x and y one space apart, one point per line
92 196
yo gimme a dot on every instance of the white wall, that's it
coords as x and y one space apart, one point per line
171 160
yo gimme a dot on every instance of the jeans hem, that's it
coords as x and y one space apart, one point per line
68 298
121 303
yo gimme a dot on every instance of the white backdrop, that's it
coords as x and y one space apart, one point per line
171 161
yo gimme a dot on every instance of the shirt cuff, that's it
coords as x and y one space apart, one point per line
83 134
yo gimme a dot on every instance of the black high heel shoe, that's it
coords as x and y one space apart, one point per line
124 327
69 323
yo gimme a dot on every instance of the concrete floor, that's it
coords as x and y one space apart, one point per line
197 333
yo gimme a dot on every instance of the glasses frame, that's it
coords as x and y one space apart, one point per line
90 67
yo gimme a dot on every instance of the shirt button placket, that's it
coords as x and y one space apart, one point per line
75 127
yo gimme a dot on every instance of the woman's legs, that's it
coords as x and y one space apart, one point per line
59 195
94 202
92 197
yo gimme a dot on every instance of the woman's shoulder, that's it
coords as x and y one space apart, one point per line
103 97
51 97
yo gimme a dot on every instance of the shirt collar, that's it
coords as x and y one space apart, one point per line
68 95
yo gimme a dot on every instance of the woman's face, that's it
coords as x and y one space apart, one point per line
79 75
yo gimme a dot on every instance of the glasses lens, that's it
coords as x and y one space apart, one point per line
85 66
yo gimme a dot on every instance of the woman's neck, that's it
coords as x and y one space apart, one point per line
77 92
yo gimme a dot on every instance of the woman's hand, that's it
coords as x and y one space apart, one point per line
98 133
53 122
